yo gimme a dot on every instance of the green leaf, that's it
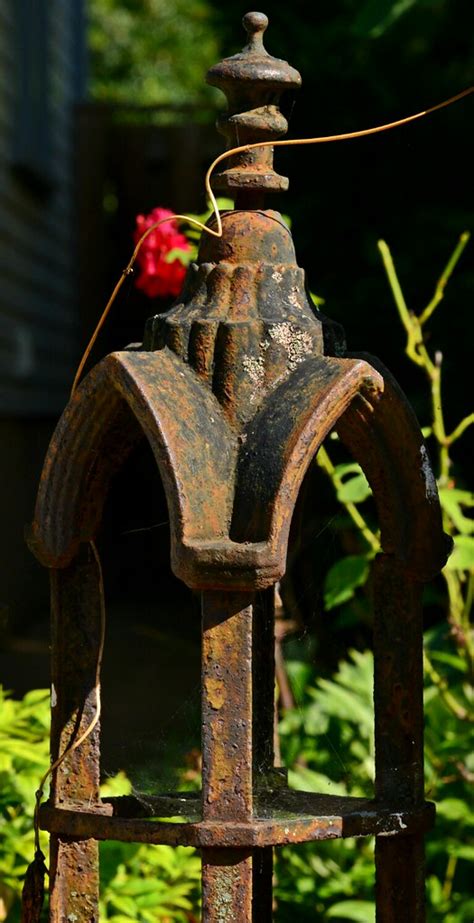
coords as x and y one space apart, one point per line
183 256
27 752
452 502
121 918
317 299
125 904
343 579
462 852
227 205
356 489
360 911
345 705
454 809
119 784
462 557
316 722
450 660
357 673
37 696
307 780
435 890
299 674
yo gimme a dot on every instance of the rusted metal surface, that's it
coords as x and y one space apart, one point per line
74 880
227 885
226 695
398 693
400 881
398 684
128 396
227 776
74 876
231 497
235 388
291 817
253 82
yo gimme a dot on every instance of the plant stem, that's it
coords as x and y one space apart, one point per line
444 278
459 612
460 428
326 464
449 700
433 372
414 336
460 604
416 350
449 877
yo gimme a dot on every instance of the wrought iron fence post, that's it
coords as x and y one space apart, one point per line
235 389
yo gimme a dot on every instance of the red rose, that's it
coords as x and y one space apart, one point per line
159 278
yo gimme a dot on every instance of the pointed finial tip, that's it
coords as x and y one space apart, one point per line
253 81
255 24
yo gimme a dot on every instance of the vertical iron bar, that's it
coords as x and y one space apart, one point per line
75 591
398 699
226 885
227 784
263 669
263 662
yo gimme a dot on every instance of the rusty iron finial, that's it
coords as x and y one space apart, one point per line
244 321
253 82
255 24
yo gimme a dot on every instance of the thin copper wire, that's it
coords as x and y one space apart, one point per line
292 142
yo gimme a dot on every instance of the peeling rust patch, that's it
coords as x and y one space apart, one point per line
216 693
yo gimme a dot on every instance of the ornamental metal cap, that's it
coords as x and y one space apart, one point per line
253 82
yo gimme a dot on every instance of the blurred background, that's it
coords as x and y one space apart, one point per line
105 114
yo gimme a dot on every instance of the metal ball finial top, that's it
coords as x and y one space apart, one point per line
255 25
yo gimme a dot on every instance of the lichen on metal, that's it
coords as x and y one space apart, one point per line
235 388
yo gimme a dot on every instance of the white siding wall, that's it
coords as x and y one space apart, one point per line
38 282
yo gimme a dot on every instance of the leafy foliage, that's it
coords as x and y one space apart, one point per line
142 884
150 52
343 579
149 884
24 754
327 742
353 489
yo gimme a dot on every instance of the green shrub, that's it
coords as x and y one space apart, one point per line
149 884
24 756
327 741
143 884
